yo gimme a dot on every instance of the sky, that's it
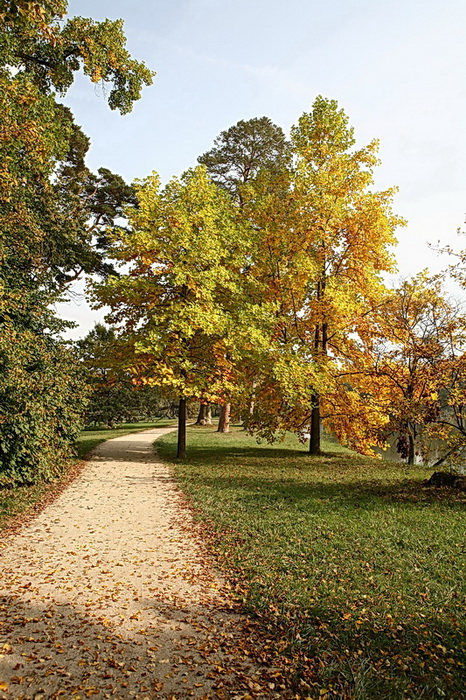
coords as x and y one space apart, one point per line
397 68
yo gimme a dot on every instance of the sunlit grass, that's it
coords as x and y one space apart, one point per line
357 568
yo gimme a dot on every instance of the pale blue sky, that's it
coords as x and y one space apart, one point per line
397 67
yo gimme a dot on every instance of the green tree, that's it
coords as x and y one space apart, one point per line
47 197
248 150
42 398
241 152
114 396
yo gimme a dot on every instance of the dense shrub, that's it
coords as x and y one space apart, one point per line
42 396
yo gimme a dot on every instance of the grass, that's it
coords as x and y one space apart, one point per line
354 567
21 501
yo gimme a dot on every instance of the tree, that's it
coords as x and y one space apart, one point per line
239 156
242 151
325 237
204 417
179 304
409 358
42 397
47 196
114 396
347 232
43 219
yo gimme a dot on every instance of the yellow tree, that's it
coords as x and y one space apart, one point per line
325 238
410 360
178 304
346 231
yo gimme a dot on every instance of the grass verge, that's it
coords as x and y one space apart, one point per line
23 502
356 569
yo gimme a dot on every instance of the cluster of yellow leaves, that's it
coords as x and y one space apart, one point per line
179 305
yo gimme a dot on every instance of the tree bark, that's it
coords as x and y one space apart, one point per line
202 415
181 451
444 457
208 415
320 352
410 450
314 440
224 420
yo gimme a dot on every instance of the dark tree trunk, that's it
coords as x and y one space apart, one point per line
320 352
202 415
314 440
224 420
252 401
410 449
181 451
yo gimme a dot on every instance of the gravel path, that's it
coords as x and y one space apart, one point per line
107 594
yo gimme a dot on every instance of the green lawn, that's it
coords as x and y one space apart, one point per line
23 499
355 568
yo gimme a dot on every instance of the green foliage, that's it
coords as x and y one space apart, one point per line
183 304
114 397
42 396
36 41
241 152
45 239
53 214
356 570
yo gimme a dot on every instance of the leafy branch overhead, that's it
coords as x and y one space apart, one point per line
38 41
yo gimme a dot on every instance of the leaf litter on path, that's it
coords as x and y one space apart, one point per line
107 594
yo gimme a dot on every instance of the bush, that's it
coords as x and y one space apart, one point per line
42 397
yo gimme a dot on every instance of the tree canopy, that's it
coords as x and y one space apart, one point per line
53 212
255 277
242 151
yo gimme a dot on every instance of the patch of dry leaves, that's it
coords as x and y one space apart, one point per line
107 593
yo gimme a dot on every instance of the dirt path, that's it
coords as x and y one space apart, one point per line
106 594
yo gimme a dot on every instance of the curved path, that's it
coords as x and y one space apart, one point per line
107 594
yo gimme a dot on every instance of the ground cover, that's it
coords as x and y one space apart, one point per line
356 569
23 501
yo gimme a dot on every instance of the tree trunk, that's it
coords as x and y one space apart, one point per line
444 457
181 451
202 415
224 420
314 440
320 352
252 401
208 415
410 449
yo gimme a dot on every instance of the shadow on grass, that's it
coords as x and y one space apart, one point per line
220 452
368 495
273 474
365 593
